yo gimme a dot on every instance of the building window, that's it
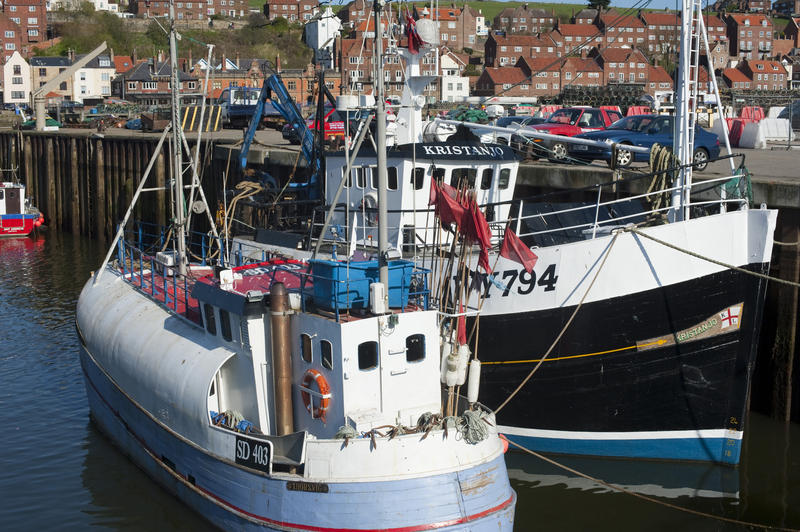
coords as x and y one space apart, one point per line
132 86
17 95
9 34
32 9
16 80
149 85
17 70
33 32
10 46
32 21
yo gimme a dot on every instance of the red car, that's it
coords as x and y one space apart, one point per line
568 122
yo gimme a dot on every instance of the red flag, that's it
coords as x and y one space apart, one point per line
478 231
462 325
514 249
414 40
448 208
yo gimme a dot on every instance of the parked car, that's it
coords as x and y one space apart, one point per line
511 122
792 112
643 130
568 122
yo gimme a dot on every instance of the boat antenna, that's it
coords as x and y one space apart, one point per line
380 130
177 156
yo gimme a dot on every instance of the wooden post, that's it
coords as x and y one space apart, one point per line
26 171
785 348
99 195
74 192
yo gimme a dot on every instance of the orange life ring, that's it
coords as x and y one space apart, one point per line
317 412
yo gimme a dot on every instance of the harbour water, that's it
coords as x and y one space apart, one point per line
57 472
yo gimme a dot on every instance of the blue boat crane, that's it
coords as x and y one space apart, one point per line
274 90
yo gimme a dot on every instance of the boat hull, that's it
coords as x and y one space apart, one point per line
646 375
235 497
17 224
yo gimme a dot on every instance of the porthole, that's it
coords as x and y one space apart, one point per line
305 348
326 354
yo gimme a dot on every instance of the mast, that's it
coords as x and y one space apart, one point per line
177 156
380 130
681 134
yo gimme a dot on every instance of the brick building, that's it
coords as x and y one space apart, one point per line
577 38
192 10
757 6
786 7
658 80
584 71
527 78
736 79
792 31
765 75
11 37
31 17
148 84
622 30
457 26
357 67
584 16
622 65
291 10
501 50
750 36
43 69
522 19
664 31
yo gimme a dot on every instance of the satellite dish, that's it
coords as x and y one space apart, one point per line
198 207
427 30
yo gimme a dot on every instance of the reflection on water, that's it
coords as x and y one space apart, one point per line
57 472
123 497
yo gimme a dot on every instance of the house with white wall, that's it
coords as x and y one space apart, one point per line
320 34
94 79
16 80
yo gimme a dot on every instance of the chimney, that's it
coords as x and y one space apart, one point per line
278 64
133 57
190 66
223 62
71 55
111 53
238 65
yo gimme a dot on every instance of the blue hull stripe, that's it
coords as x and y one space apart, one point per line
396 506
703 449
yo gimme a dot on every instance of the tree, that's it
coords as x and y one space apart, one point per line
600 5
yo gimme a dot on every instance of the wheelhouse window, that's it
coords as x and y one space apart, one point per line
391 178
305 348
503 180
418 178
438 175
486 179
225 325
367 355
326 353
415 348
461 176
211 322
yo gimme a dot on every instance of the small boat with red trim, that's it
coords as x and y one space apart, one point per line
18 217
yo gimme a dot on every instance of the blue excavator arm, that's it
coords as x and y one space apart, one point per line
274 90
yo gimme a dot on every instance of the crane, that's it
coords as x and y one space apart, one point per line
38 96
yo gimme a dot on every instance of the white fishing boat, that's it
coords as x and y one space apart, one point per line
642 313
286 395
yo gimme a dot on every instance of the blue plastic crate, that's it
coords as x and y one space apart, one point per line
338 285
400 272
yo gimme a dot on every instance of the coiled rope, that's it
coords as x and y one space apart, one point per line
713 261
645 497
472 427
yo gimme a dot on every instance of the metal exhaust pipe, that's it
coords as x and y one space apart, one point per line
282 358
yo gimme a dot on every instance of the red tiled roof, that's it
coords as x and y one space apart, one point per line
713 21
502 75
621 21
734 74
122 63
444 13
769 66
661 19
658 74
581 64
579 29
542 64
755 20
617 54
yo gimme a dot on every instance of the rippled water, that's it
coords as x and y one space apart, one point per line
57 472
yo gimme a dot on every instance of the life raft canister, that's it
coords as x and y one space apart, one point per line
319 411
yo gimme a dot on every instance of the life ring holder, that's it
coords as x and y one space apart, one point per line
324 394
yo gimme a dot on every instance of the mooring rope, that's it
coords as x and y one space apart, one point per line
791 244
647 498
563 330
713 261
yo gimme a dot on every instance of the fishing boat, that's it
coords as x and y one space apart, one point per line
285 395
639 323
18 216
